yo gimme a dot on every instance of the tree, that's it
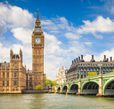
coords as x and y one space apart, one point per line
47 82
54 83
39 87
50 82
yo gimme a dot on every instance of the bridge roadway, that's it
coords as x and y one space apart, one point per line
101 85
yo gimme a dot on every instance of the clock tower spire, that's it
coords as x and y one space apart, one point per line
38 55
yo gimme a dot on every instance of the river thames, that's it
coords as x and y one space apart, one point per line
54 101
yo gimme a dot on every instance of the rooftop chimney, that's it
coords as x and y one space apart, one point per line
107 60
92 58
79 58
110 59
104 60
82 60
72 61
76 59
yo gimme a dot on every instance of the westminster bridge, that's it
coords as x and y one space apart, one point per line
100 85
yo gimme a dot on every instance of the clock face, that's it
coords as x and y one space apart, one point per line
37 40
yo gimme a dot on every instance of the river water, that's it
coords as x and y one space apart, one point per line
54 101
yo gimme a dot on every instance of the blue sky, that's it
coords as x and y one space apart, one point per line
73 10
71 28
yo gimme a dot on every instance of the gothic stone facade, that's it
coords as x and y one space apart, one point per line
38 55
29 80
14 78
13 74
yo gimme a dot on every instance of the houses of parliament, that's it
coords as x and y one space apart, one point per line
14 78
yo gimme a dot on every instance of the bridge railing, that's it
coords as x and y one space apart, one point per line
110 74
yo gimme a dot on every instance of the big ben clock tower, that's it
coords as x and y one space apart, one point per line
38 55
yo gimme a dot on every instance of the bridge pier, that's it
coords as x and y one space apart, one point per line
100 91
79 87
68 89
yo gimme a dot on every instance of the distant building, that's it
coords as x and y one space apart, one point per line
81 68
61 77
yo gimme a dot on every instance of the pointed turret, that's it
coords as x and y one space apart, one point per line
37 29
37 23
21 55
11 54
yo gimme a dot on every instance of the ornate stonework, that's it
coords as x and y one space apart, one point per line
38 55
14 78
13 74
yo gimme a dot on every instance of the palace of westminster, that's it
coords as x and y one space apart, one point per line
14 78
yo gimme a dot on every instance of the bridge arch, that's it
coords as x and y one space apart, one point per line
64 89
73 89
108 88
90 88
58 89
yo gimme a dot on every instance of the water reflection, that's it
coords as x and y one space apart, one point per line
54 101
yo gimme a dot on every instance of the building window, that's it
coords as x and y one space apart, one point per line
15 75
8 74
30 79
7 83
3 83
30 84
14 83
3 74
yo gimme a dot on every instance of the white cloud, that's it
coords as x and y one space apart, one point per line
56 52
5 54
59 24
88 43
22 34
52 44
51 65
47 22
99 25
71 35
108 6
19 21
62 26
15 16
108 53
21 26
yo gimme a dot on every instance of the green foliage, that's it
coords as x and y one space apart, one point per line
54 83
47 82
39 87
50 83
